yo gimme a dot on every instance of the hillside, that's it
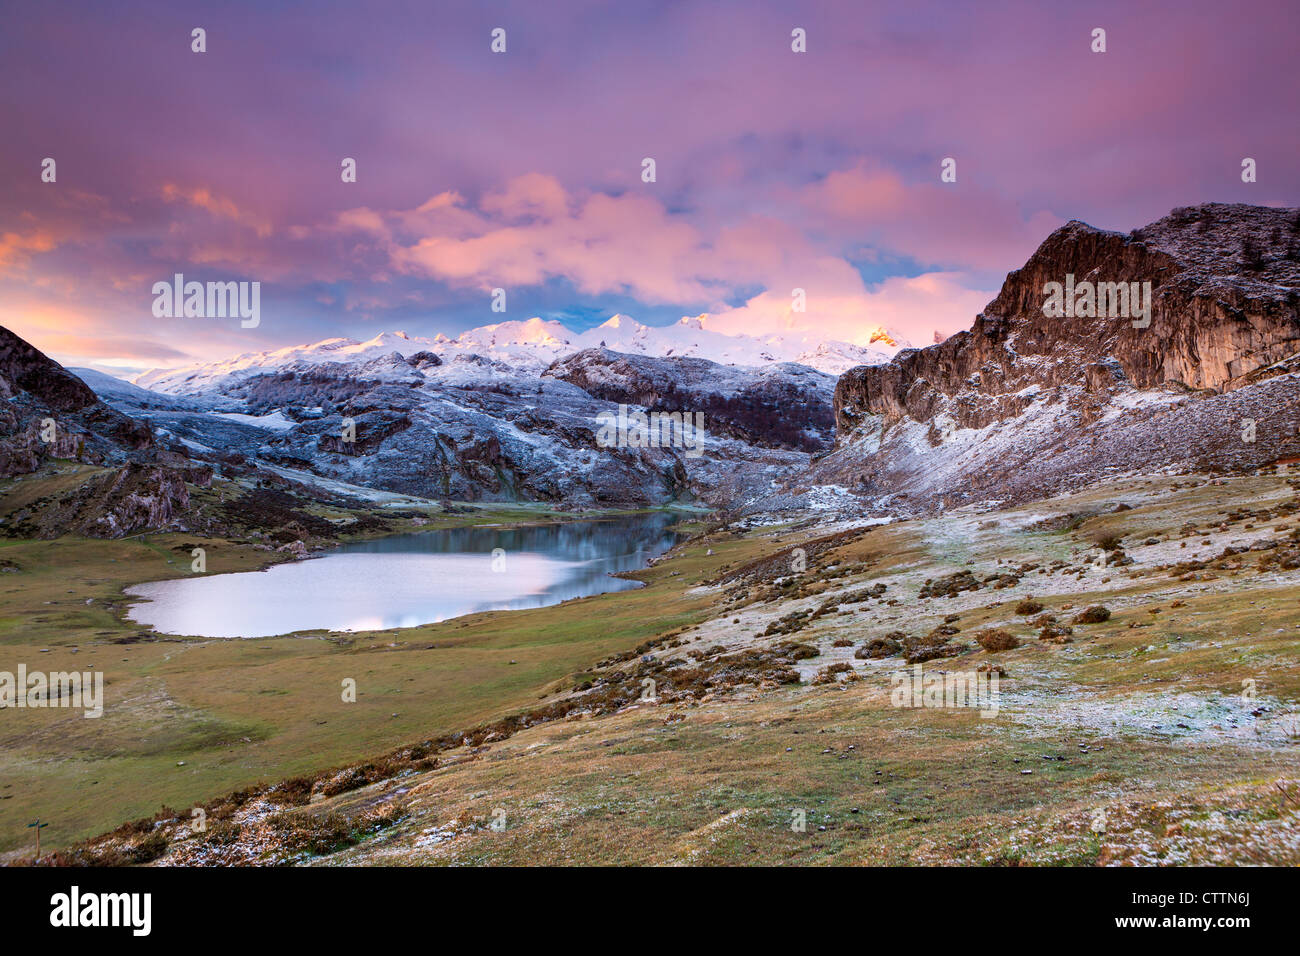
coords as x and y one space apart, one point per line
88 469
1162 732
50 413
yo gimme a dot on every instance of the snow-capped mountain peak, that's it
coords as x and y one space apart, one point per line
532 344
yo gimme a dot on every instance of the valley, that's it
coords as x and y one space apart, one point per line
1099 520
1165 733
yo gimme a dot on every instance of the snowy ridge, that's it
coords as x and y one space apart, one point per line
534 344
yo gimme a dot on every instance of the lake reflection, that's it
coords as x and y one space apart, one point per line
410 579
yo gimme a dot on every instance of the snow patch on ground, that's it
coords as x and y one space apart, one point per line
275 421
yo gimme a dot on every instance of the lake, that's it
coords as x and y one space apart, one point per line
410 579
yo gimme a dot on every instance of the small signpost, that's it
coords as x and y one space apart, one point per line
39 827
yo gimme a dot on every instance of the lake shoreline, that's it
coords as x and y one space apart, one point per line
377 583
439 521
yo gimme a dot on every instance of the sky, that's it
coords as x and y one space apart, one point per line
523 170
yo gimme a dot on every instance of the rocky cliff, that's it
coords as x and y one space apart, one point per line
49 413
1029 401
48 418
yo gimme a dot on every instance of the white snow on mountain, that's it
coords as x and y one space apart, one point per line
533 344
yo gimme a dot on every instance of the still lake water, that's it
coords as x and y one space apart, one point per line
410 579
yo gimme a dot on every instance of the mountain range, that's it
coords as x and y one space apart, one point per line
1023 405
533 344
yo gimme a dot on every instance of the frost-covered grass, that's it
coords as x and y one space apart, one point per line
1161 735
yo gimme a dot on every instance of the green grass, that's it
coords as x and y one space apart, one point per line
236 712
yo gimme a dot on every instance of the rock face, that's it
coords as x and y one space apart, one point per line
49 413
1028 403
48 417
783 406
471 429
110 504
26 369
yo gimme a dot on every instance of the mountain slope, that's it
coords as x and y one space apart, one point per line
781 406
51 426
123 393
50 413
474 428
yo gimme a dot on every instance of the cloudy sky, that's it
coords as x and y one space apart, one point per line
523 170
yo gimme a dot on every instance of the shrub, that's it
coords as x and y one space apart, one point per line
224 833
885 646
995 639
149 849
950 586
318 835
917 650
830 673
1028 606
295 792
1056 634
1092 615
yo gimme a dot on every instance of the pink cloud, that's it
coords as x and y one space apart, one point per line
534 231
914 308
201 197
16 248
961 223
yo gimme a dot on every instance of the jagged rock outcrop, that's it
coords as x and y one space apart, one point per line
113 503
1027 402
135 498
1212 323
26 369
